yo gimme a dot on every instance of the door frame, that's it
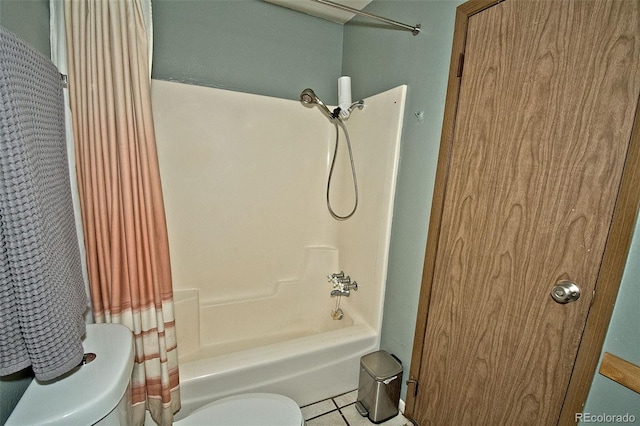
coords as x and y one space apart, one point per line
614 258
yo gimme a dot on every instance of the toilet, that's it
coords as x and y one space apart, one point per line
98 393
251 409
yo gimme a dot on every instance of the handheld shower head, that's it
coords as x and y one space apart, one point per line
308 97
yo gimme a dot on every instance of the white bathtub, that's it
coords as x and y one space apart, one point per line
284 342
307 369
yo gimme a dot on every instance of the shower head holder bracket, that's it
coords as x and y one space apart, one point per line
345 113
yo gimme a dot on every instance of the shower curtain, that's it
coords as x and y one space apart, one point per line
121 202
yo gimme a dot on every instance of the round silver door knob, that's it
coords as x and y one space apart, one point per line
565 292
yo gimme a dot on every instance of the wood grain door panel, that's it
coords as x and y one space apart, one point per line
546 108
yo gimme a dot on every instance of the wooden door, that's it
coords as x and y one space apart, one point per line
545 102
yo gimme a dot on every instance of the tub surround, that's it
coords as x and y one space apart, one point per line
251 240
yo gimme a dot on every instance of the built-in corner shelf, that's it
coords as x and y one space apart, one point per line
619 370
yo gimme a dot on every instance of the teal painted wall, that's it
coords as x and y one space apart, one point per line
29 20
377 59
246 45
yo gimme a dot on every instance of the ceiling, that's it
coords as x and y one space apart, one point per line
323 11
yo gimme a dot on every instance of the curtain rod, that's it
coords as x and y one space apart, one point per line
415 30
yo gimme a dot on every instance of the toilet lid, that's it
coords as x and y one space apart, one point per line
264 409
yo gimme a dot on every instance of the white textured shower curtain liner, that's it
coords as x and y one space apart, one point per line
58 40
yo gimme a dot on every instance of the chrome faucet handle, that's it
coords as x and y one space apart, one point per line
341 283
335 276
351 286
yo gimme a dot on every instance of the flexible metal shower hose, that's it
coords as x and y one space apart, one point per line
353 172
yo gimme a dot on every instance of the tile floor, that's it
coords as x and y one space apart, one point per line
341 411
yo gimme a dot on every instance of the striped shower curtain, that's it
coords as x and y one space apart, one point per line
120 194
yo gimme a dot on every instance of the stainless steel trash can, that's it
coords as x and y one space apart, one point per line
379 386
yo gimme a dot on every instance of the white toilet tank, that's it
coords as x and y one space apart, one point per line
96 393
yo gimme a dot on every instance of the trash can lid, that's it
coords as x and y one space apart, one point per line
380 365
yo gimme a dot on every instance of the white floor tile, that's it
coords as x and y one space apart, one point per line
331 419
346 399
355 419
317 409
